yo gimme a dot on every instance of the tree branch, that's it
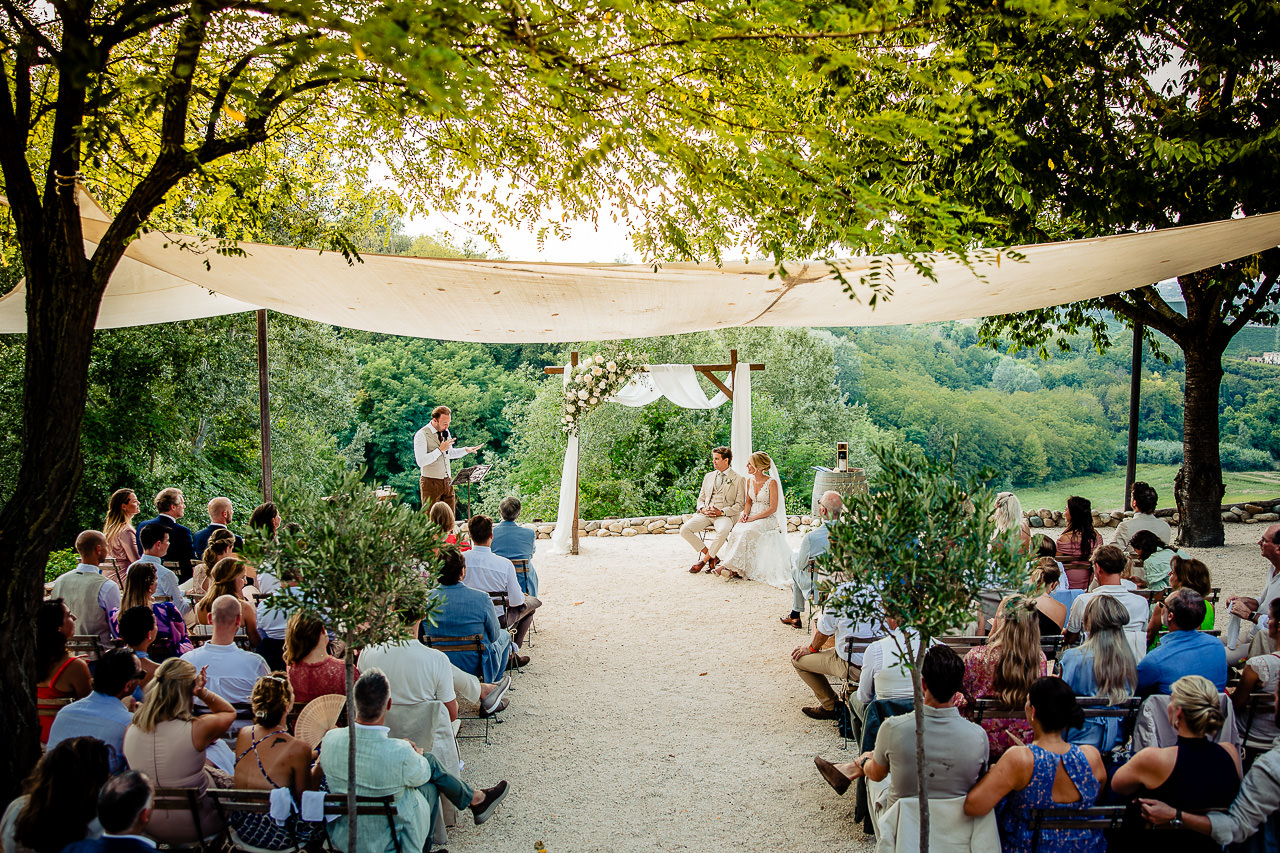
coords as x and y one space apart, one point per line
1252 305
33 31
1167 321
19 185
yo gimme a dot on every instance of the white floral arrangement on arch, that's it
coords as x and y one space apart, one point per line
594 380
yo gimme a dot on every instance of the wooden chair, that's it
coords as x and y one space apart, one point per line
470 643
86 646
188 800
228 800
502 604
1260 704
522 577
1099 817
112 569
50 707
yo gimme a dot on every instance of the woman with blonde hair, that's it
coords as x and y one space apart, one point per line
757 548
268 757
1045 578
1012 529
228 578
1104 667
1005 668
222 544
1196 774
122 539
167 741
312 670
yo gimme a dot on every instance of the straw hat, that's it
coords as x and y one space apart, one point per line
317 717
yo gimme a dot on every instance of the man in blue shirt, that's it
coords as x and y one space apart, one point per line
1185 650
102 713
813 544
514 542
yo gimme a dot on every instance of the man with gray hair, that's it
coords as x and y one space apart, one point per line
124 809
514 542
398 768
814 543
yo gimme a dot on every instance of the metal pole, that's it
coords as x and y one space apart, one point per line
573 362
264 405
1135 402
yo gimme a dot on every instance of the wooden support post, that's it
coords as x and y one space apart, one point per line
1135 404
264 406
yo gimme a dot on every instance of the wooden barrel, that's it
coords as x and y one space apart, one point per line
844 482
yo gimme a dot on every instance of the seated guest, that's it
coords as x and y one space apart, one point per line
1078 542
1102 667
1050 613
514 542
62 674
814 544
171 506
220 512
124 809
884 674
167 741
955 749
312 670
229 580
273 622
441 515
231 671
1185 650
171 631
463 612
488 572
394 767
155 546
221 544
1254 813
1013 531
1043 545
815 664
1142 499
1259 675
122 539
90 597
266 518
1254 610
1005 668
1156 557
1197 774
1048 773
1108 564
60 799
102 713
138 631
268 757
1192 574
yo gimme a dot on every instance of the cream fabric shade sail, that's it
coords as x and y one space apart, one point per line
518 302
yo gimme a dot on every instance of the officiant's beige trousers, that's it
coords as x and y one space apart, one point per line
691 528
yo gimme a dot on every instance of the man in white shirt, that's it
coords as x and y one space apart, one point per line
885 674
1255 610
433 449
488 572
1108 562
232 671
1143 501
155 545
91 598
844 659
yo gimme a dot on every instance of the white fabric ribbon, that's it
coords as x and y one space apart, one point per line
562 536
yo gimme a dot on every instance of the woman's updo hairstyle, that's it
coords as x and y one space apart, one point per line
1045 573
451 571
1200 704
270 699
1055 704
761 461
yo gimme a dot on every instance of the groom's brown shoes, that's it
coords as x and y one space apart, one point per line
697 567
712 564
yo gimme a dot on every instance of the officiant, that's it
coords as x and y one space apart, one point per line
433 448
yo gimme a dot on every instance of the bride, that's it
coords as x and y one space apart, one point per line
757 547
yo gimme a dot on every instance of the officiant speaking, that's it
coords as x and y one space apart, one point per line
433 449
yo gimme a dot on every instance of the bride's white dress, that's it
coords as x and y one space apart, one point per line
758 550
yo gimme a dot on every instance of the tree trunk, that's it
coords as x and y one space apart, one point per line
918 692
1201 525
62 307
350 656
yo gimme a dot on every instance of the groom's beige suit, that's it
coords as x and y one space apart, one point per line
727 493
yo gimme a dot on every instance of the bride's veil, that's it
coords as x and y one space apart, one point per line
781 514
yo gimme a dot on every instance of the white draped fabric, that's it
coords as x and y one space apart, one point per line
679 384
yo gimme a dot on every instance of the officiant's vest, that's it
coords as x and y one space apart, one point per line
439 469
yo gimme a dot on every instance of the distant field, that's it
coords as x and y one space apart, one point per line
1106 491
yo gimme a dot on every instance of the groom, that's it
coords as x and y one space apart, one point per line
720 502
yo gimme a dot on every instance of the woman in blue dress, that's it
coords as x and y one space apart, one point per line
1049 773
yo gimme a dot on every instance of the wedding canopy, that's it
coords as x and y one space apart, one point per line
679 384
522 302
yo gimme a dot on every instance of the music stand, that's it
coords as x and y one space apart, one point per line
466 477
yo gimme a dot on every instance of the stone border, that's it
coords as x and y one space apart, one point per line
1246 512
649 525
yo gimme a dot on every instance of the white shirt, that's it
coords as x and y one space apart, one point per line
1270 590
425 457
884 673
274 623
843 628
416 673
1138 607
232 670
267 582
1142 521
488 572
167 583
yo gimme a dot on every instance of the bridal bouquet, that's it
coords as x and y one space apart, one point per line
594 380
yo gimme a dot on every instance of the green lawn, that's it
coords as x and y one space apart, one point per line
1106 491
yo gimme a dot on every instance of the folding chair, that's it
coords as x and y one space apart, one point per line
228 801
502 604
471 643
1259 704
1099 817
188 800
86 646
